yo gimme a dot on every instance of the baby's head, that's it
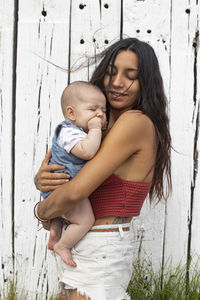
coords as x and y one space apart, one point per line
82 101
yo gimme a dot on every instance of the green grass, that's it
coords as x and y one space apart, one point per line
168 284
13 294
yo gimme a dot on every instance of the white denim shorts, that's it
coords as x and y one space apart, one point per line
104 264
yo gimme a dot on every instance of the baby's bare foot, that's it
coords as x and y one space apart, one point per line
53 239
65 254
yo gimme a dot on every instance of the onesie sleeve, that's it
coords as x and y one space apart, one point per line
69 137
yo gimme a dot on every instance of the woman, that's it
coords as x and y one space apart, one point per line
132 161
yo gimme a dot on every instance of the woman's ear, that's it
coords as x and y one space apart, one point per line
70 113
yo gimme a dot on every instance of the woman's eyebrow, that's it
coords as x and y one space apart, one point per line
132 69
128 69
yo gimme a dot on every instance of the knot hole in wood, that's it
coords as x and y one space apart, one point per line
81 6
44 13
187 11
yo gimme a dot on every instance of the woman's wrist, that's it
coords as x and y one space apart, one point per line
35 210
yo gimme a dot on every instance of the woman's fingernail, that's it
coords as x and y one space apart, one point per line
67 180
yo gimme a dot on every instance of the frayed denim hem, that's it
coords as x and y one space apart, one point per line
66 289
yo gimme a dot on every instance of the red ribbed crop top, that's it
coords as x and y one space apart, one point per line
119 197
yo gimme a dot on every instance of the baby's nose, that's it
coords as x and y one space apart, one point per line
99 113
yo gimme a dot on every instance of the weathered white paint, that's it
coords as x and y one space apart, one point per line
63 32
111 21
39 87
91 33
85 21
195 237
6 159
137 21
181 112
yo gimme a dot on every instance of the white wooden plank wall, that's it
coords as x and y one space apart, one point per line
137 21
6 141
43 30
66 33
182 107
195 187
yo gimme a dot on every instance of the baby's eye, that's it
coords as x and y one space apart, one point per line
92 109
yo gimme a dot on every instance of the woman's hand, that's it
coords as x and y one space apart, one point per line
45 180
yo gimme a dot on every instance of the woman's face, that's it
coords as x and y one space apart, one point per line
125 88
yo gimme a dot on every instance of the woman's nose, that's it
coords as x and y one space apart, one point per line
117 81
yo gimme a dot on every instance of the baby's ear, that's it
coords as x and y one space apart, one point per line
70 113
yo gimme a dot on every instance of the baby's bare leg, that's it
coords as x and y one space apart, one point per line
76 296
55 233
82 219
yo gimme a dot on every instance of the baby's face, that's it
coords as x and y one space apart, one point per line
89 105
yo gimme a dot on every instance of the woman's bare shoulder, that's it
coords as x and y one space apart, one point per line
135 121
136 115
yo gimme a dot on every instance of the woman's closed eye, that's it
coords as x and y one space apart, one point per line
111 71
132 75
129 75
132 78
108 72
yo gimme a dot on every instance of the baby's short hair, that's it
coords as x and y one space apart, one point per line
73 90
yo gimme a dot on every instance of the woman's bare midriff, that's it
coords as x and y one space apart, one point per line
112 220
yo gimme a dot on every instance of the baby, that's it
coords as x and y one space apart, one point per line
75 141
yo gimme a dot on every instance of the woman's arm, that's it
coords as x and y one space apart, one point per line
124 139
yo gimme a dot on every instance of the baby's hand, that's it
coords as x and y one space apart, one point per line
94 123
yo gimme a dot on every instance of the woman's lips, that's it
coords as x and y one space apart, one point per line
117 95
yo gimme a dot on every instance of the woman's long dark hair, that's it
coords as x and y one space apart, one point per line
152 102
